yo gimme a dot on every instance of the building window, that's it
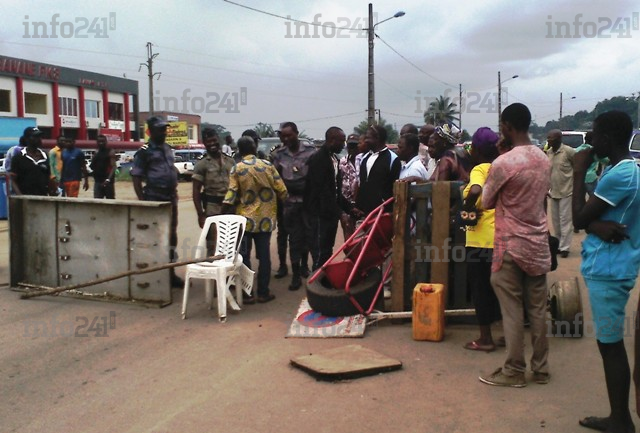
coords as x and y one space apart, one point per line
5 100
116 111
192 132
91 109
68 106
35 103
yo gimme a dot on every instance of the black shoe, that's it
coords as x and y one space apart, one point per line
296 282
176 281
304 271
267 298
282 272
564 254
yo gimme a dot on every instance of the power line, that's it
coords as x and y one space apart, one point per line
306 120
414 65
73 49
288 18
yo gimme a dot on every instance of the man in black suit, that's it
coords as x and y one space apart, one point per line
322 201
379 169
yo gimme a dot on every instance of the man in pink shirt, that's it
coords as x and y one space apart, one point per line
517 185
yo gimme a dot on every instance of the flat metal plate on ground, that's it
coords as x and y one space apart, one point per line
311 324
348 362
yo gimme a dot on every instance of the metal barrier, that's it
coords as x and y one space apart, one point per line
62 241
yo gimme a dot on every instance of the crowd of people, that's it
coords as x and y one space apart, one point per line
33 172
305 192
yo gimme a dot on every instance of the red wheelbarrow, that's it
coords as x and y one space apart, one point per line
353 285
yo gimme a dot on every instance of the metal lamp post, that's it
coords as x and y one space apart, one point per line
371 111
500 95
560 118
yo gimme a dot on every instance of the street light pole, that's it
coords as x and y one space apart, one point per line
372 98
371 106
460 107
500 95
560 118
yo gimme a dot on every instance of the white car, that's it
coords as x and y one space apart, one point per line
185 160
573 138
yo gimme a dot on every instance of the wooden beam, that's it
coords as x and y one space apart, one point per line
440 241
399 245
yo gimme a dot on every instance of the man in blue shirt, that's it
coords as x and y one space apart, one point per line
74 168
610 254
154 164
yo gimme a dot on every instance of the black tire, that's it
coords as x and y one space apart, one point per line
565 306
334 302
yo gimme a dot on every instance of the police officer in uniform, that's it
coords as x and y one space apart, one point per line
291 162
211 174
154 163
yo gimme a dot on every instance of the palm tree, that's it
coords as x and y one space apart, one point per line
392 134
264 130
441 111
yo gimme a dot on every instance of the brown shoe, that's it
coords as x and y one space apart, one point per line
541 378
498 378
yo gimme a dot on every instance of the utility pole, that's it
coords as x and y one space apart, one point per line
560 118
149 65
371 111
460 107
499 99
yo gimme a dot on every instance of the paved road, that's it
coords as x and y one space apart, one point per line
157 373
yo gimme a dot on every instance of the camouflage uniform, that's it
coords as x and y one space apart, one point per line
214 175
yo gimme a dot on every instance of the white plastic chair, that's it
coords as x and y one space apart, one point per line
225 272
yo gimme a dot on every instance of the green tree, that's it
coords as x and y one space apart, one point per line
392 134
221 130
264 130
441 111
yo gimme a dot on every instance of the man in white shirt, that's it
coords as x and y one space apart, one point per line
412 169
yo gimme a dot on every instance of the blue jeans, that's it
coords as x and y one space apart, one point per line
263 254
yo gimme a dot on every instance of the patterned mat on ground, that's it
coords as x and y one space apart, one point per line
310 324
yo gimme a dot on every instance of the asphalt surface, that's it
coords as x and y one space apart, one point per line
157 373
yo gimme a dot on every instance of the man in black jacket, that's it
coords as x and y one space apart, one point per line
321 196
379 169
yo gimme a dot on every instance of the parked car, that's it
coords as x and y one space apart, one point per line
185 160
573 138
634 145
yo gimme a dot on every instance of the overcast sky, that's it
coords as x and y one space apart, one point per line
210 51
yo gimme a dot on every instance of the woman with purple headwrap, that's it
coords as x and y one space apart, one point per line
480 228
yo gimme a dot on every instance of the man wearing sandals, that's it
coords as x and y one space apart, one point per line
610 255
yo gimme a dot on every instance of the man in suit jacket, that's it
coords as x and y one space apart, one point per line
323 202
379 169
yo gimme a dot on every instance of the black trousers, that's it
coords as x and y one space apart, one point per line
322 236
479 280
